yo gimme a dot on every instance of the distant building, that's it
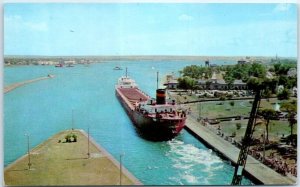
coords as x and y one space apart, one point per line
45 62
207 63
209 84
69 62
242 61
219 84
171 82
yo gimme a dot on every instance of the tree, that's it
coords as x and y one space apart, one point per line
292 82
191 84
271 84
196 72
238 126
208 83
283 67
268 114
229 79
239 71
257 70
187 83
283 79
292 120
255 83
267 94
291 108
284 94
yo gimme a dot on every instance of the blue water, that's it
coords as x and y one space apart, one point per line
44 108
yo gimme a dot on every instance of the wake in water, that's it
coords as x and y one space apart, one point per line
189 161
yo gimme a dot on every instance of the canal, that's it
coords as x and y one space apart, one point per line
43 108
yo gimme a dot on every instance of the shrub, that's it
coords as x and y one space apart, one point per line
229 96
68 138
233 134
285 94
71 138
238 126
222 98
75 138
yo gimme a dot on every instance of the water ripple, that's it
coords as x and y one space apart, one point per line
188 160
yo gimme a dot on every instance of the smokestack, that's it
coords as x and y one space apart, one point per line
161 96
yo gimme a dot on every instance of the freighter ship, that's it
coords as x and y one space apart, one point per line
156 119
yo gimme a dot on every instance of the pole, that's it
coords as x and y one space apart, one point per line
200 112
157 80
72 119
126 72
88 143
120 169
28 151
264 152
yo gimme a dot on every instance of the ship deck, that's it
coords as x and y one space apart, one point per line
133 95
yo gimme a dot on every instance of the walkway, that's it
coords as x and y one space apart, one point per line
254 168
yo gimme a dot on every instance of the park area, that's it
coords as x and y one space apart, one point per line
276 148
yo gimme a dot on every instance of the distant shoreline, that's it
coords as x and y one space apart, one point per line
146 56
10 60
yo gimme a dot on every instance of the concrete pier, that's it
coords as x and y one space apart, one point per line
55 162
254 169
16 85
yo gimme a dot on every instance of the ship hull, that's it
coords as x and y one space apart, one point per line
149 127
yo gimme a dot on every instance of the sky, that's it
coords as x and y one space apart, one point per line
54 29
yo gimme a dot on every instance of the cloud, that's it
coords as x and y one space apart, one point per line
16 22
185 17
282 7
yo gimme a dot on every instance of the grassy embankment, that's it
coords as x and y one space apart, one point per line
56 163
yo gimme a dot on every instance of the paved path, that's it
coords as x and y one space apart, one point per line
254 168
16 85
57 163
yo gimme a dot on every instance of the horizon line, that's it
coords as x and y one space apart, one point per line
148 56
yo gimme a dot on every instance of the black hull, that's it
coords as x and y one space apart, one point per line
149 128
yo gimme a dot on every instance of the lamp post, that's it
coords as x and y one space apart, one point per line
88 143
72 119
200 111
121 155
264 152
28 151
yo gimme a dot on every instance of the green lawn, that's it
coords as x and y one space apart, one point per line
270 104
213 109
276 129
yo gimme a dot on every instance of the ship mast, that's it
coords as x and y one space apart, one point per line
157 80
126 72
